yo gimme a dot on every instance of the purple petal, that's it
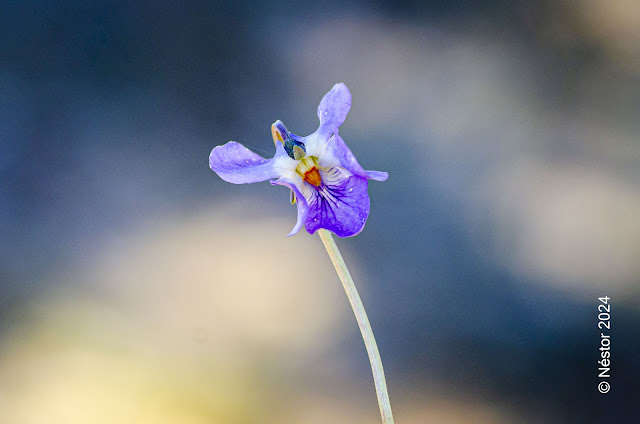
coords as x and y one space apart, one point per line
337 151
333 108
303 208
377 175
236 164
340 204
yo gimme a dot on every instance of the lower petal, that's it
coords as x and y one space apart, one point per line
340 204
303 208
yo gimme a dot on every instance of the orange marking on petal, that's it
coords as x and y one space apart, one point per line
312 176
276 135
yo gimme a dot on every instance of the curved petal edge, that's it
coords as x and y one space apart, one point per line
303 208
236 164
340 205
333 108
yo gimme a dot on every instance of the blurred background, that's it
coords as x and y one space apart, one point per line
138 287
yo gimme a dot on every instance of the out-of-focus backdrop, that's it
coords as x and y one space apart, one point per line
138 287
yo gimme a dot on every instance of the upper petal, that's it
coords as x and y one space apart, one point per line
340 204
333 108
236 164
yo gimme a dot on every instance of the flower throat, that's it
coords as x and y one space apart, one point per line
308 170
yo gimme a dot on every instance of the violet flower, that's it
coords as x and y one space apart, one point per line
330 188
326 181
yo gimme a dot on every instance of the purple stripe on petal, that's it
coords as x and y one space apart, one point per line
236 164
340 204
333 108
303 208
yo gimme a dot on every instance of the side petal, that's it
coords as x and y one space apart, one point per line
303 208
333 108
377 175
236 164
338 154
340 204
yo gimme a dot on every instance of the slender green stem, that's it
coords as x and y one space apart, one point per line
363 323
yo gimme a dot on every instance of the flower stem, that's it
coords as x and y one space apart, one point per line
363 323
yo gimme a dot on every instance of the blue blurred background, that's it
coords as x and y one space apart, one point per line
136 286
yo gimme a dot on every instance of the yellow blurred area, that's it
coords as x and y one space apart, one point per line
217 278
204 319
